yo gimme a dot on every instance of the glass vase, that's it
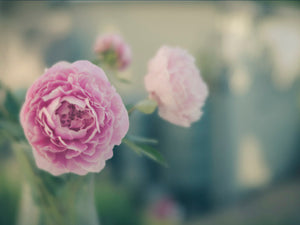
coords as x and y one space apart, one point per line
54 200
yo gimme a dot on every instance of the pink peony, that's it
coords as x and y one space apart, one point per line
73 117
174 82
113 50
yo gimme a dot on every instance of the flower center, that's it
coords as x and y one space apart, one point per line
73 116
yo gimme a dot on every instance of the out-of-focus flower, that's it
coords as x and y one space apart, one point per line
165 211
73 117
174 82
113 51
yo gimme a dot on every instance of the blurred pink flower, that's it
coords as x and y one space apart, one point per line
174 82
165 211
113 50
73 117
165 208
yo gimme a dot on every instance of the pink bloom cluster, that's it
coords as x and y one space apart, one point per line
73 117
174 82
115 43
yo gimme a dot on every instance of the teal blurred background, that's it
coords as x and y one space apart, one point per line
238 165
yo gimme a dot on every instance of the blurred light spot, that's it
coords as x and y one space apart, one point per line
59 23
110 28
252 170
240 81
21 65
283 39
237 36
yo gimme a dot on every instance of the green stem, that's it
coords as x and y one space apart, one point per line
131 110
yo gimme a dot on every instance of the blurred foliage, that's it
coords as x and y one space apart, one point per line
9 198
9 179
10 107
115 205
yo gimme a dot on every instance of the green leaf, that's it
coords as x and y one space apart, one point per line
146 150
11 128
12 105
9 104
129 106
20 95
146 106
142 140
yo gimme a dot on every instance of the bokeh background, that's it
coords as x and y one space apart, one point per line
238 165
